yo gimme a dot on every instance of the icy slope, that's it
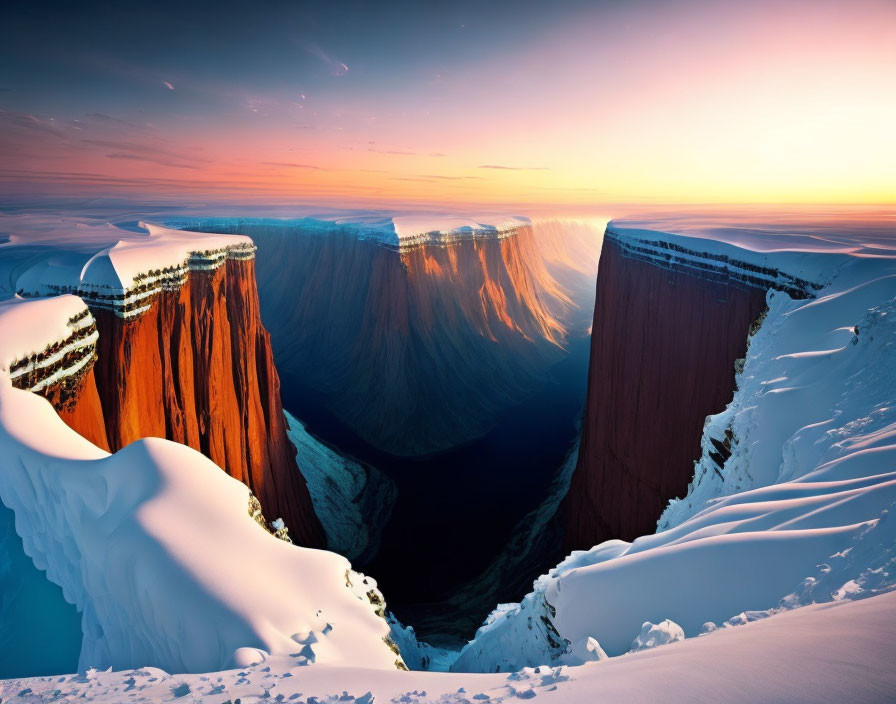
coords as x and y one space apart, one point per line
791 501
353 501
156 548
830 653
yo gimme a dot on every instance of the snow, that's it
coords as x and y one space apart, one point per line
832 652
155 547
777 568
40 633
800 511
793 272
409 227
395 230
125 274
352 501
653 635
37 324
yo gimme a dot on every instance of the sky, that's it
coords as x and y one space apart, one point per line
689 101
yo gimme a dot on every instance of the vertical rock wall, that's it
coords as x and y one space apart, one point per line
662 358
197 368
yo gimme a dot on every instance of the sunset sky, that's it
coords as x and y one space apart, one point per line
500 102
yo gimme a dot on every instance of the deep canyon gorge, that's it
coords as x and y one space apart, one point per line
453 415
456 370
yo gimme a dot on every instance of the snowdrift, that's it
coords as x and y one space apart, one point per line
833 652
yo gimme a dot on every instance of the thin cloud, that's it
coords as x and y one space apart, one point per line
293 165
142 150
337 68
103 117
398 152
151 160
27 120
450 178
167 85
424 178
515 168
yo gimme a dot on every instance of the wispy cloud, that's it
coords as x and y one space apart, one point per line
147 150
103 117
337 68
293 165
31 123
424 178
167 85
436 178
152 160
514 168
396 152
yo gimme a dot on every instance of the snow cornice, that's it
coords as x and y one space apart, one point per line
714 260
126 277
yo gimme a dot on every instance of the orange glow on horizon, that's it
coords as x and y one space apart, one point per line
698 103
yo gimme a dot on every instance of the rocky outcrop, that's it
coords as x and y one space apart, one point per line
666 337
194 364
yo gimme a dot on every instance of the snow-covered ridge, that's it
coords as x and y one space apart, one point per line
125 277
45 341
401 233
713 260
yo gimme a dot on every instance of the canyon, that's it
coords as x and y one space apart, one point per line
709 473
453 364
418 347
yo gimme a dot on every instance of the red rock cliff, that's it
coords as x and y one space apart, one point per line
662 358
197 368
81 409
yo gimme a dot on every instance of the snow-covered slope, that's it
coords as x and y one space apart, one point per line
353 501
45 341
830 653
792 499
156 548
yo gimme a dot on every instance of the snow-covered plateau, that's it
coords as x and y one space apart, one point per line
398 231
771 580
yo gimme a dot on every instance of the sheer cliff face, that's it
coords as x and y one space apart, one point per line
419 351
662 359
197 368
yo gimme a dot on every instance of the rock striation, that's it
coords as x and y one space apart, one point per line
179 352
669 324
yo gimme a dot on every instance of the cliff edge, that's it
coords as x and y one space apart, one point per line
671 318
175 349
